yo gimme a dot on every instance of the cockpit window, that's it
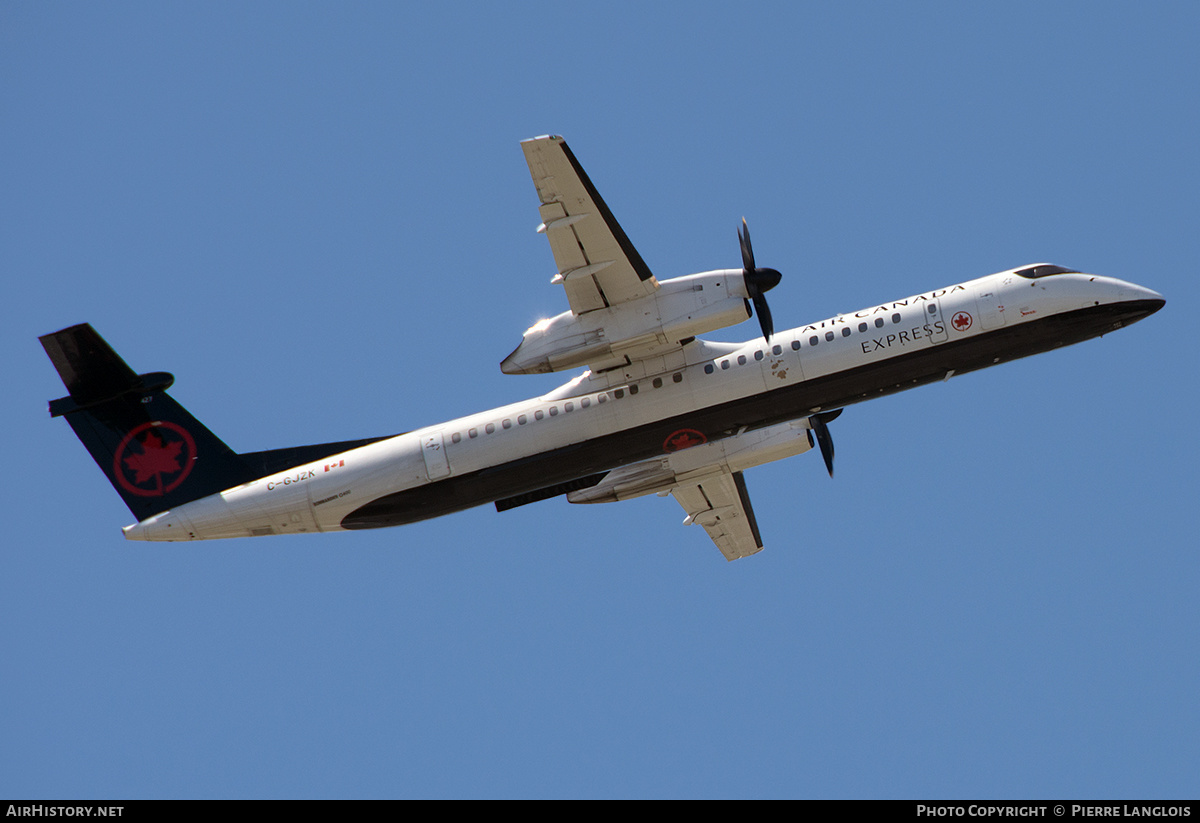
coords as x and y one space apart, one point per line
1044 270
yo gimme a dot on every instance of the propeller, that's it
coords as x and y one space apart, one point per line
817 426
758 282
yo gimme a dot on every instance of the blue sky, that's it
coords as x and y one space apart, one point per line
318 217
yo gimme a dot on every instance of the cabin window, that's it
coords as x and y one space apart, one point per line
828 336
490 428
796 345
862 326
708 368
602 398
538 415
619 393
845 331
777 350
554 411
677 377
932 308
585 402
456 438
522 420
633 388
657 383
569 407
473 433
812 341
879 322
741 359
896 317
724 364
758 355
507 424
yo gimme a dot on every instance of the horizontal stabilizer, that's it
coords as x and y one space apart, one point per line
92 371
88 366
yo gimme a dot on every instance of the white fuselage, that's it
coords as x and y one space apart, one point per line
319 496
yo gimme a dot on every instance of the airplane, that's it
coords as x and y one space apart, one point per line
657 410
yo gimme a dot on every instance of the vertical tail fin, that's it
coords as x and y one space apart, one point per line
155 454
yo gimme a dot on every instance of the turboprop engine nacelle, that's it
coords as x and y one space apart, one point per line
681 307
733 454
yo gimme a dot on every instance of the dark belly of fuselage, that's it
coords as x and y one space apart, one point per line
832 391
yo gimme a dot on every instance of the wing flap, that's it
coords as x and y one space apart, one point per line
721 504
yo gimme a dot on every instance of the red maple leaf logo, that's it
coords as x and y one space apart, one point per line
156 459
149 464
962 321
683 439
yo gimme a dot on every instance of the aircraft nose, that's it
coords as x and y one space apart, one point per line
1151 300
1133 302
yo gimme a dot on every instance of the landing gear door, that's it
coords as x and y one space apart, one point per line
935 324
433 450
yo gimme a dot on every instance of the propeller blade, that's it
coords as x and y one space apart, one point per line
747 249
823 439
758 282
764 316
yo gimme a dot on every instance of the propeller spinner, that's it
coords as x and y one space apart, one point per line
758 282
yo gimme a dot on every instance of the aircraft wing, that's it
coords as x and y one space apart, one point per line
597 264
706 479
720 503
